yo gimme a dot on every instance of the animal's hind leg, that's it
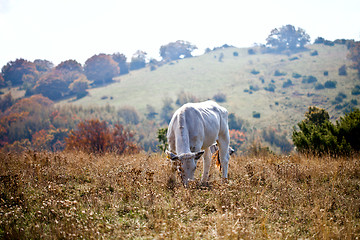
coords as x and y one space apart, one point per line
224 155
206 165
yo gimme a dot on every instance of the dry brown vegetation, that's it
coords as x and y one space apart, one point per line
76 195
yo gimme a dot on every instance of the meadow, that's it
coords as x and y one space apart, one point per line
75 195
249 82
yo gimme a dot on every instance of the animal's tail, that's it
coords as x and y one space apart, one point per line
216 158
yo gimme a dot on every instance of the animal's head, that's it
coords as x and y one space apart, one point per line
186 164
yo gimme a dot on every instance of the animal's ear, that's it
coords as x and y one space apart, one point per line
231 150
171 155
199 154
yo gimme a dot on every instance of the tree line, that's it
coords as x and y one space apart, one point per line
70 78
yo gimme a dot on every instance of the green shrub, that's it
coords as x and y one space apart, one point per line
330 84
356 90
326 73
318 139
220 97
277 73
329 43
235 54
293 58
317 135
256 115
342 95
349 129
271 87
251 51
339 98
255 72
309 79
319 86
342 70
296 75
288 83
254 88
314 53
161 136
236 123
319 40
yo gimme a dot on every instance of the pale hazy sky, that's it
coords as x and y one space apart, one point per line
58 30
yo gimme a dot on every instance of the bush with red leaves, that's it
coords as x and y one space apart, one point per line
94 136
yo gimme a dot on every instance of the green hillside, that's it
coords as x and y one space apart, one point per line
222 71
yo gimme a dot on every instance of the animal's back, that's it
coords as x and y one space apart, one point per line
197 122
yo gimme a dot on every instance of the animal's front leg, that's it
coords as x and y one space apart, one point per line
206 165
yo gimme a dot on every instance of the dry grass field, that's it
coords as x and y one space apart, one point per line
80 196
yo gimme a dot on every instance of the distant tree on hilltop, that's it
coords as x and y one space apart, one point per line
101 68
70 65
79 86
43 65
121 60
14 71
138 60
176 50
52 85
287 38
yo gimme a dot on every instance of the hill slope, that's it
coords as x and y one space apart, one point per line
221 71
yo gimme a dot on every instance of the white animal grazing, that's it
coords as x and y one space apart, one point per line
193 128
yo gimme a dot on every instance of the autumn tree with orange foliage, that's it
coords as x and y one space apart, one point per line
52 85
69 66
49 139
94 136
237 138
101 69
24 118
